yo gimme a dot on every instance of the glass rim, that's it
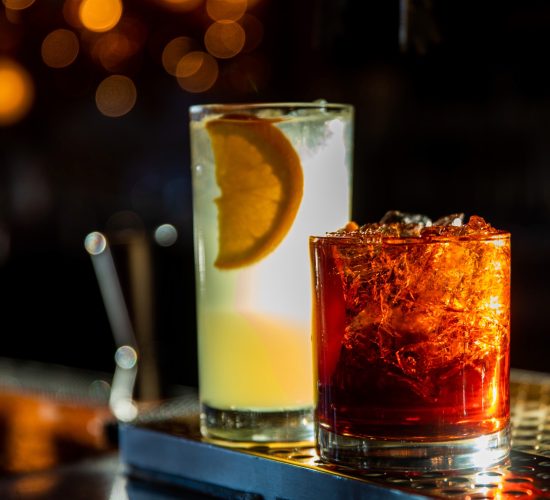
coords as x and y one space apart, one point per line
368 239
253 106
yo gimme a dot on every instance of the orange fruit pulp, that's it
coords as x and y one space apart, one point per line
260 178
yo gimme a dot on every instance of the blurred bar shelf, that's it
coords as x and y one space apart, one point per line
164 447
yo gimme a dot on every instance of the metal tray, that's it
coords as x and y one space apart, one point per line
164 446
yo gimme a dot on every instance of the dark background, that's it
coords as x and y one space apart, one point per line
451 116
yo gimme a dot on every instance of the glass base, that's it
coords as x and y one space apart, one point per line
252 428
482 451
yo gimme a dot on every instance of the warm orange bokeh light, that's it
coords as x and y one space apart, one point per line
10 36
174 51
190 64
197 71
17 4
116 96
16 91
100 15
111 50
224 39
71 13
114 49
60 48
254 31
230 10
181 5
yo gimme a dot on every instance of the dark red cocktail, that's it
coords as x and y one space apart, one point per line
412 333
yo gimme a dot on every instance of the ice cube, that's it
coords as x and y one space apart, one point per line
397 217
450 220
478 226
402 224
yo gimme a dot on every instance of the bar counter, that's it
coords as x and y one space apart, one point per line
59 440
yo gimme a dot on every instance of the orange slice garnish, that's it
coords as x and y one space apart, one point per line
261 182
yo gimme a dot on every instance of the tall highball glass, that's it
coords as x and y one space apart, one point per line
265 177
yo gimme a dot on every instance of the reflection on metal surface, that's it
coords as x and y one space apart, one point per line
38 432
173 428
50 415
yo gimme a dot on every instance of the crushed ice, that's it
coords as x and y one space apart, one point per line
397 224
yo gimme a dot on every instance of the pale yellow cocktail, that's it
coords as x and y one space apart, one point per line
265 177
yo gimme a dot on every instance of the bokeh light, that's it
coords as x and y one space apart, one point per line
16 91
181 5
126 357
13 15
197 71
254 31
115 96
224 39
60 48
230 10
111 50
95 243
10 36
166 235
17 4
114 49
100 15
174 51
125 410
71 13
